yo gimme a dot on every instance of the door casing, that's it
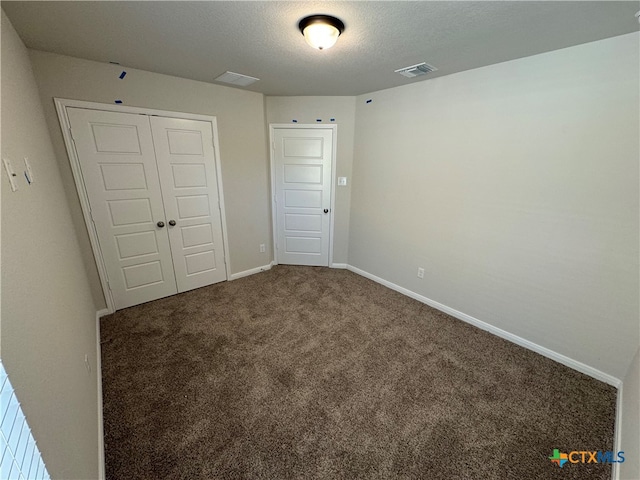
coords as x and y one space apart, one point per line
274 227
61 108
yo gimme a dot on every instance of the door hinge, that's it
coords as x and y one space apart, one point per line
106 277
71 133
275 199
273 146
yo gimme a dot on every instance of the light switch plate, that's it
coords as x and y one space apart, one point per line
342 181
10 174
28 172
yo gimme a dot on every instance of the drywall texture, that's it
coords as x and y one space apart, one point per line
630 423
308 110
48 314
243 145
516 187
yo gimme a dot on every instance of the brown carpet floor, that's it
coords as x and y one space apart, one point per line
303 372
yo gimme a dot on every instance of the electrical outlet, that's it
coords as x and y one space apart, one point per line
263 248
420 272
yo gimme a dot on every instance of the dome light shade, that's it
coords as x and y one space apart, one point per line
321 31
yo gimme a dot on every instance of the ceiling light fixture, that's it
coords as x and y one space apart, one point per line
321 31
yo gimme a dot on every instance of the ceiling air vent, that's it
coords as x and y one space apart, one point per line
236 79
416 70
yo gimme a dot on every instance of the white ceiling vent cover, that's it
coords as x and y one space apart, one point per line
236 79
416 70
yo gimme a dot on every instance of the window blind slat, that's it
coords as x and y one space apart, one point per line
5 466
28 455
32 466
20 457
22 444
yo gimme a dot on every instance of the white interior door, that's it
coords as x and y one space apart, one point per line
118 164
187 168
302 159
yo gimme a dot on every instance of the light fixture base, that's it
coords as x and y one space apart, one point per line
321 31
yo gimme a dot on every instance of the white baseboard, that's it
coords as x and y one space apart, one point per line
252 271
569 362
338 265
101 464
617 434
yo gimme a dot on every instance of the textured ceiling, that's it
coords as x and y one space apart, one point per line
201 40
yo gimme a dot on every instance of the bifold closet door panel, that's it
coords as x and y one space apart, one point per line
118 164
187 166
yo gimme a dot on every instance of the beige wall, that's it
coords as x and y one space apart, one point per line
243 144
48 314
516 187
308 110
630 422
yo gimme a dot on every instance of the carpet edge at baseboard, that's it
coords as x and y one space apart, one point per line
529 345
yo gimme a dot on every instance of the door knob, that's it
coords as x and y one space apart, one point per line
160 224
172 223
326 210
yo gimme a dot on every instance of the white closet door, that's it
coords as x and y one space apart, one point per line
186 163
118 166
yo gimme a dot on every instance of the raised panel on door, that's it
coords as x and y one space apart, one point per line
302 163
118 164
186 162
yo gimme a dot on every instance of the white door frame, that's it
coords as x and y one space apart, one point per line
61 108
334 149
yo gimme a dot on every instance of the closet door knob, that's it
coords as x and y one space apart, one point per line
172 223
160 224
